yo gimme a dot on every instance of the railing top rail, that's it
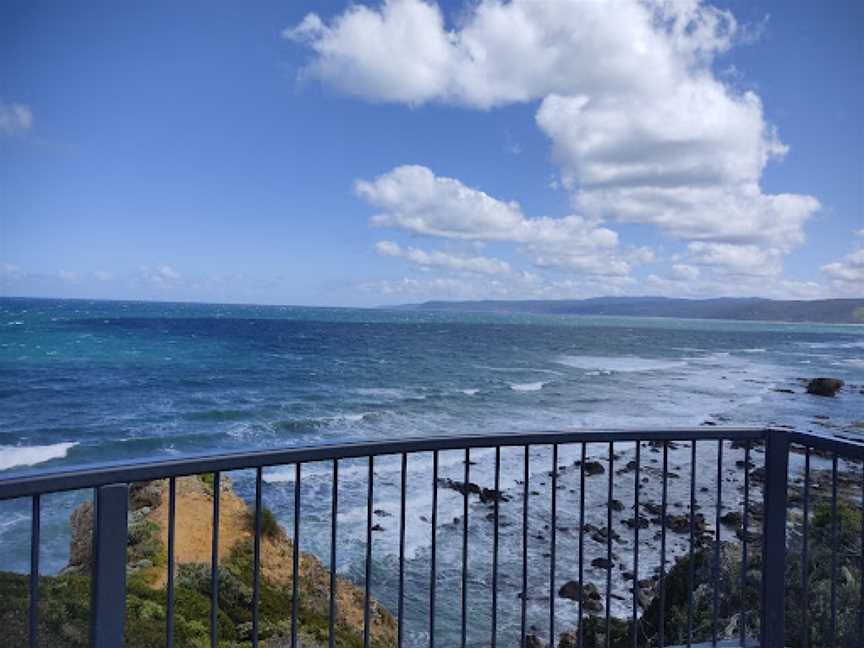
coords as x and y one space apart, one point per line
102 474
847 448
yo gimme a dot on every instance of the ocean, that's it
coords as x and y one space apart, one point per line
83 382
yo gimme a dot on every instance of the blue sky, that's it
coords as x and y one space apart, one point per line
392 152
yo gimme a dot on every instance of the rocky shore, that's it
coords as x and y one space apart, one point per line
64 612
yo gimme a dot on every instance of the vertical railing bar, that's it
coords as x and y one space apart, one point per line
172 513
334 514
774 538
716 570
663 500
636 486
834 549
295 559
742 613
401 612
495 548
214 565
433 566
609 544
690 566
861 595
554 512
368 570
805 567
256 558
35 527
524 620
465 549
581 541
108 579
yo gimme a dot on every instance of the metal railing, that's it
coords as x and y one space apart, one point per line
111 493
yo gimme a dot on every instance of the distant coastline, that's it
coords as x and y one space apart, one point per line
819 311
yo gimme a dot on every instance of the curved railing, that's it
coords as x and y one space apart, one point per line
111 491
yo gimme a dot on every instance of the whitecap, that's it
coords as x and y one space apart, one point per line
619 363
11 456
470 392
532 386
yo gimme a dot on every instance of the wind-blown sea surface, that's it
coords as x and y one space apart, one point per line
83 382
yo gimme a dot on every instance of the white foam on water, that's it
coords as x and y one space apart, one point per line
621 364
12 456
470 392
531 386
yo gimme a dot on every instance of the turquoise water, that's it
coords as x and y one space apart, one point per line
84 382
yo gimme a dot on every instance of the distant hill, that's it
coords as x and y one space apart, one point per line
841 311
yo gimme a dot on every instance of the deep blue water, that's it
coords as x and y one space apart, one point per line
84 382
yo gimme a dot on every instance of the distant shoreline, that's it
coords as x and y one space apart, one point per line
818 311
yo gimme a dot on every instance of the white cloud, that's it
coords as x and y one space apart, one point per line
479 264
731 259
642 128
848 271
414 199
163 275
15 118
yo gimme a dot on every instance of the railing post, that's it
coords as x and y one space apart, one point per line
110 537
774 539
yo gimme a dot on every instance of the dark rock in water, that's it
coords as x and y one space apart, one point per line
784 391
592 467
573 590
602 563
643 522
377 527
732 518
382 513
533 641
616 505
487 495
824 386
681 523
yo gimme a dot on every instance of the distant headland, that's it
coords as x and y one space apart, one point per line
833 311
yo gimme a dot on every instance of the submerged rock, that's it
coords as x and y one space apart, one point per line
824 386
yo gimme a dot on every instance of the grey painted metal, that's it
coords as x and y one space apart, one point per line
581 539
464 610
715 572
742 636
834 548
367 575
111 484
805 564
636 517
334 517
553 521
93 476
110 537
609 543
523 625
774 538
295 559
256 557
214 564
661 622
402 493
690 564
172 527
495 532
433 576
35 520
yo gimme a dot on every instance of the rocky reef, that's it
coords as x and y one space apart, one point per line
64 609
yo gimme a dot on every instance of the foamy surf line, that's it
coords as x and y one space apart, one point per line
532 386
623 364
12 456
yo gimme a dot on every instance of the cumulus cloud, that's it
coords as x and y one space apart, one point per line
847 273
750 260
414 199
641 127
15 118
163 275
438 259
